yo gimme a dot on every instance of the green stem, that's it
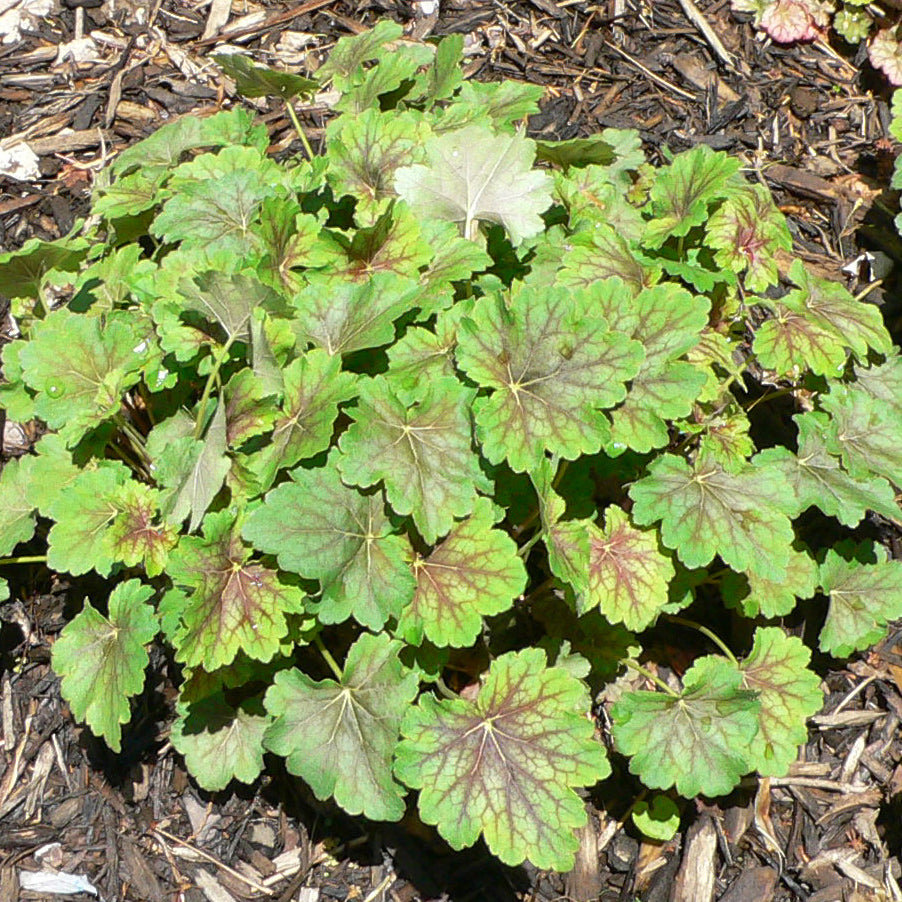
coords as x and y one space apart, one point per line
683 621
444 690
297 127
327 656
136 440
768 396
635 665
24 559
525 549
211 381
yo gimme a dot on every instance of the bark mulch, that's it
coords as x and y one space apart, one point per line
81 81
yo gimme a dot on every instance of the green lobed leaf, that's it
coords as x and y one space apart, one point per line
80 366
22 272
252 80
220 743
101 660
706 510
628 575
235 604
475 572
789 693
863 598
658 819
698 741
683 191
136 535
18 523
553 365
340 736
78 540
324 530
506 764
345 64
818 479
475 175
773 595
420 450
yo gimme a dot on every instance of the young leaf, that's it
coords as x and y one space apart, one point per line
345 64
219 742
747 230
659 819
101 660
817 478
421 450
252 80
500 103
682 192
698 741
863 598
553 364
323 530
339 736
476 175
18 512
135 536
628 575
22 271
506 764
78 540
235 605
706 510
777 669
473 573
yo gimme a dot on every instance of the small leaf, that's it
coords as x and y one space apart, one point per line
775 595
698 741
220 743
135 536
777 669
22 271
658 819
324 530
863 598
475 175
339 736
628 575
252 80
682 192
506 764
19 519
101 660
235 604
475 572
421 451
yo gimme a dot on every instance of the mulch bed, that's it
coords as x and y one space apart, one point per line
80 83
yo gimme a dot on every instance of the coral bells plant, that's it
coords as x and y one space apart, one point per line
410 450
854 21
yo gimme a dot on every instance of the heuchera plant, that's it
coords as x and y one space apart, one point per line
854 21
401 447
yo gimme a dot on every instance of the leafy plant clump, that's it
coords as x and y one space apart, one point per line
402 447
855 21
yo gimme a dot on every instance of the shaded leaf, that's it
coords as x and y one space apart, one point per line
340 736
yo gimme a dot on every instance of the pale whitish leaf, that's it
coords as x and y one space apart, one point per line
476 175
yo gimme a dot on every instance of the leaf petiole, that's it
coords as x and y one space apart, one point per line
24 559
299 129
635 665
683 621
211 381
327 656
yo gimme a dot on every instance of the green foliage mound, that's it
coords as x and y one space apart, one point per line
401 447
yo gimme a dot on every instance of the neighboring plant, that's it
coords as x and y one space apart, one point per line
854 21
460 430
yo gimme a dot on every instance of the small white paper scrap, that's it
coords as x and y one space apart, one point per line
56 882
19 162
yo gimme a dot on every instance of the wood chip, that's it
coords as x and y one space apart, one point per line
695 880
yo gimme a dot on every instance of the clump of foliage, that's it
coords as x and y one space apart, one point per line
854 21
401 447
